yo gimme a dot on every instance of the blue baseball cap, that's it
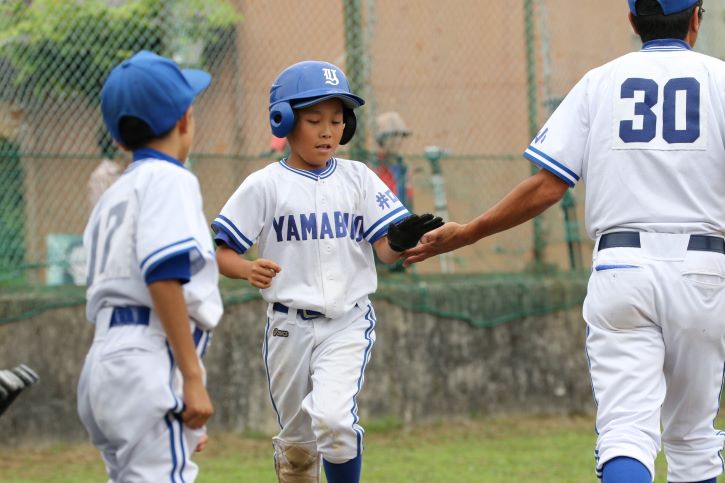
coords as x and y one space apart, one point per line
668 6
151 88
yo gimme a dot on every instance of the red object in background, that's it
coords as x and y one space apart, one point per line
278 144
388 177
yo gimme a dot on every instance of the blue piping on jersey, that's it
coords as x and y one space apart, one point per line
553 161
384 230
266 369
171 268
367 232
233 227
183 447
155 252
550 169
665 45
597 468
178 406
152 266
222 220
332 164
142 154
227 237
600 268
591 381
717 403
370 317
172 442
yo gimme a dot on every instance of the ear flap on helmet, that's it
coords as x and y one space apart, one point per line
282 119
348 117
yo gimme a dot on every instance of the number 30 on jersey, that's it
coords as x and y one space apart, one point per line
664 115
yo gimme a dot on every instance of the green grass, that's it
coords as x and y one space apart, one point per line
540 449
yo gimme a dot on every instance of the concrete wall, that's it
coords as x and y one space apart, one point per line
423 367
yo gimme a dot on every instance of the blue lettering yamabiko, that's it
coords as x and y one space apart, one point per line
325 228
277 224
303 227
356 231
292 228
308 226
341 224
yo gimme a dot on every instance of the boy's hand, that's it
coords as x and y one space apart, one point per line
197 405
449 237
262 273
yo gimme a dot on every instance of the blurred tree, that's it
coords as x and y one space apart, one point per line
57 47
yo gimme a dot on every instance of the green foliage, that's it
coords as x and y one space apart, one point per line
61 47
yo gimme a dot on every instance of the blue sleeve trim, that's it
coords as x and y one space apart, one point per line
549 169
231 228
180 242
177 267
160 261
384 219
224 237
554 162
384 230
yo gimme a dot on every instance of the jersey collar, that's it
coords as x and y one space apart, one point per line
148 153
316 174
661 45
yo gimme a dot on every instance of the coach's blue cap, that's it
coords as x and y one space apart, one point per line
151 88
668 6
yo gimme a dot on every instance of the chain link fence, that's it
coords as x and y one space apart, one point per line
469 83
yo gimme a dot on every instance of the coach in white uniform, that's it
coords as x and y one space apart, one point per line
152 282
646 132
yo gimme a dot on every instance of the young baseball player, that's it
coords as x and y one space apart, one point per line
645 132
152 282
317 219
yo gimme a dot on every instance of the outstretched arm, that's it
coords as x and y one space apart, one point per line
528 199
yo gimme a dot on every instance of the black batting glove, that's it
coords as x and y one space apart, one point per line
407 233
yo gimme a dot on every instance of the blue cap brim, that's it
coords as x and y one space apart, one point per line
350 101
197 79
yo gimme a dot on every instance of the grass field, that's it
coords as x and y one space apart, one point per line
533 449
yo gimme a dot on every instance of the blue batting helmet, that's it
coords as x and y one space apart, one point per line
307 83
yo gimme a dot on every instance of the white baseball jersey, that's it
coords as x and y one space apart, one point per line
152 213
646 132
319 227
130 391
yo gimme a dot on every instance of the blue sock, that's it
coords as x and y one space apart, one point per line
348 472
625 470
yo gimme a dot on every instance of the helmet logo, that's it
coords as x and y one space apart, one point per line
330 76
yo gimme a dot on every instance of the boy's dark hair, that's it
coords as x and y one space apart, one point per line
652 24
135 133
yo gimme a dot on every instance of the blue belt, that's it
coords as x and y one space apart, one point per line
305 314
140 315
133 315
702 243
